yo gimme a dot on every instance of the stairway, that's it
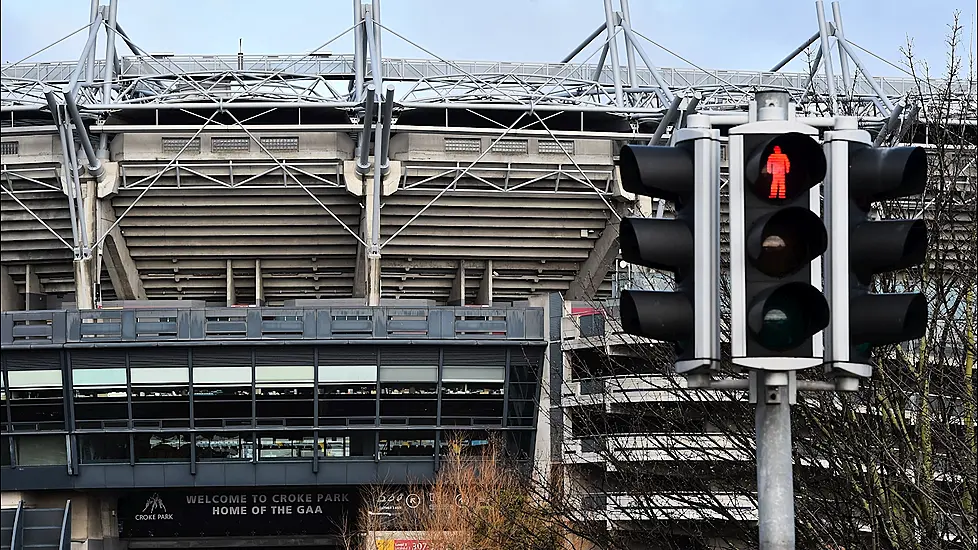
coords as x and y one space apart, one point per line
35 528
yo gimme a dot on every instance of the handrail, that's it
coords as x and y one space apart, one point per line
17 535
65 543
167 325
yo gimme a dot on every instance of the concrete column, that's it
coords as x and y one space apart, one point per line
34 297
485 286
230 286
457 295
259 287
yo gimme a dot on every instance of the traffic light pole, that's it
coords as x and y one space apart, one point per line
775 480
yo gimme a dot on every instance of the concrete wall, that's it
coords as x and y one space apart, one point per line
93 516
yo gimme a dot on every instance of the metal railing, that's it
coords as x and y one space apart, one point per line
430 69
65 542
60 327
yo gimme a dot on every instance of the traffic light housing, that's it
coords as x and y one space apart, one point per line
687 245
776 236
861 247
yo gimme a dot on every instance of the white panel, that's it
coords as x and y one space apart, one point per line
408 374
98 377
474 374
283 374
169 375
349 373
30 379
222 375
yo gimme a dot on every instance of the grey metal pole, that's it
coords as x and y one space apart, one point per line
108 77
775 483
823 33
363 163
691 107
866 74
375 10
773 394
794 54
626 16
811 73
667 119
86 251
386 117
891 125
908 122
90 67
600 66
609 17
358 51
56 115
840 35
666 95
584 44
87 52
94 164
136 50
374 49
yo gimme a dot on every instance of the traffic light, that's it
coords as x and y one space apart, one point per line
861 247
687 245
775 235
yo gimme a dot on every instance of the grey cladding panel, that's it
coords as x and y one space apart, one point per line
35 359
222 357
95 359
278 356
338 356
408 356
159 357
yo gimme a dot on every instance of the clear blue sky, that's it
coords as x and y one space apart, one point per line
741 34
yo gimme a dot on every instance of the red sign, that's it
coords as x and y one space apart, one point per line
401 544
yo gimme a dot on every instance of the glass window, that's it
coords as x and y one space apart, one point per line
348 373
98 408
222 375
34 379
103 448
407 443
166 375
225 446
41 450
285 446
220 406
5 451
37 410
334 446
161 406
162 447
99 377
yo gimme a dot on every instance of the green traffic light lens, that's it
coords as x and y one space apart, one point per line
783 317
783 326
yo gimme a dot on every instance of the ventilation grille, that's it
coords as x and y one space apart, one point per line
551 147
177 144
223 144
282 144
510 146
463 145
9 147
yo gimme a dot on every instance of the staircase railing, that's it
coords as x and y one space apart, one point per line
66 528
17 534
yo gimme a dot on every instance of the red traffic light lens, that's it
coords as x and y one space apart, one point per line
785 167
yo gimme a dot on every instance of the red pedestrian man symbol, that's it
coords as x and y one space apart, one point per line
778 166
